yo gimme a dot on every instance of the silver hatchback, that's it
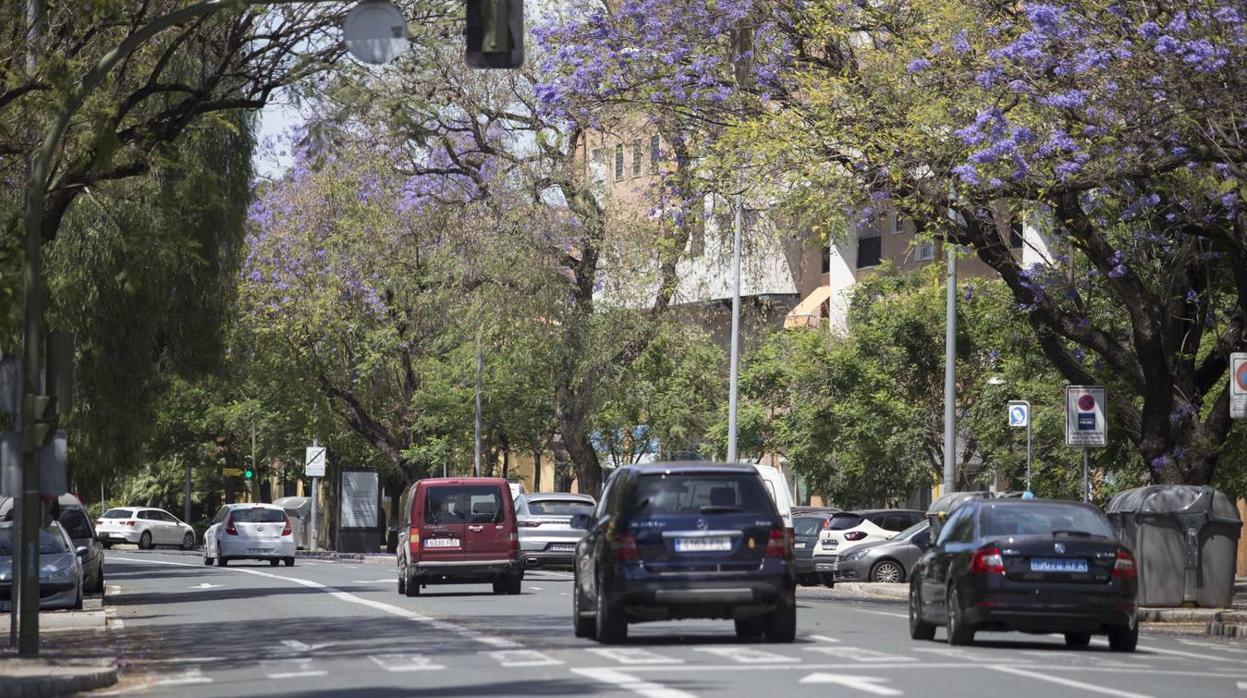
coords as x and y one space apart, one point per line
887 561
547 538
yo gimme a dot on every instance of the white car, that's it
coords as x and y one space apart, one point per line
146 527
249 532
849 529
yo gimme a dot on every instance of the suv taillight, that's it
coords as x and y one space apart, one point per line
1125 566
288 530
987 561
777 544
413 542
625 549
855 535
230 529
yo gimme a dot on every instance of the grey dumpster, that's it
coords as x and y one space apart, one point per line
299 509
1185 541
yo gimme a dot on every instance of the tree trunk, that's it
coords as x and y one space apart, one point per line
536 469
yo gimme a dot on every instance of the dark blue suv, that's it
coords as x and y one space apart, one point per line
684 540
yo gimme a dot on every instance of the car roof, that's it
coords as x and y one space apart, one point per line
864 512
535 496
689 467
1011 502
240 505
430 481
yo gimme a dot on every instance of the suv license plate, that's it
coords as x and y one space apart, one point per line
1059 565
441 543
703 545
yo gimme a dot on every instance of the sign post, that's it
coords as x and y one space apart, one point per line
314 466
1238 385
1086 425
1020 416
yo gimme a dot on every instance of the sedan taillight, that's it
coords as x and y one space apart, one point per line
987 561
230 529
288 530
777 544
855 535
1125 566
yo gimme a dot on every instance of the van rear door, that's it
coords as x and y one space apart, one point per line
490 525
443 517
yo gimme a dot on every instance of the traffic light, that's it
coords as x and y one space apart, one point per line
248 468
495 34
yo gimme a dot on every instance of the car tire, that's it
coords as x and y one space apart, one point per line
99 580
188 541
500 587
514 584
402 581
751 628
1123 638
107 546
887 572
610 625
78 602
1077 639
582 626
145 541
828 580
411 587
781 624
289 562
919 629
222 561
207 560
274 563
959 631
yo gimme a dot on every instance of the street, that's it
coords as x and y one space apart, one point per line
339 629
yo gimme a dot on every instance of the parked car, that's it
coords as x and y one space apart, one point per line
146 527
72 517
684 540
781 494
60 569
458 531
886 561
249 532
544 522
807 524
1035 566
852 528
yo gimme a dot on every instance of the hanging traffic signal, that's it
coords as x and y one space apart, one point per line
495 34
248 468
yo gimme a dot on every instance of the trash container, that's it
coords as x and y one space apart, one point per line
1185 541
299 509
944 505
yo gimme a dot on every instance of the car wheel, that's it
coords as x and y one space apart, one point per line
828 581
1077 639
411 585
750 628
500 586
145 541
919 629
402 580
1124 638
584 627
78 602
274 563
611 628
887 572
222 561
289 562
513 583
99 581
781 624
959 632
188 541
207 560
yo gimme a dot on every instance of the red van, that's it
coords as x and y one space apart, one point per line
458 531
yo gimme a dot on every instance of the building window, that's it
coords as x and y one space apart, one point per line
826 260
897 225
1017 234
619 162
637 157
869 250
924 251
655 154
597 165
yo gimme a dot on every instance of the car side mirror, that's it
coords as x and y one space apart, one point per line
83 551
580 521
923 542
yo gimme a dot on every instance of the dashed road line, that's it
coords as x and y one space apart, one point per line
864 656
747 655
1062 681
404 662
632 656
523 658
627 682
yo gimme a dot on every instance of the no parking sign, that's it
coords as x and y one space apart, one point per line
1086 424
1238 385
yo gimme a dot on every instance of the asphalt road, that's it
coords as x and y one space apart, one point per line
325 629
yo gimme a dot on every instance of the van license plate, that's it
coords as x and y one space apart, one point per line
1058 565
441 543
703 545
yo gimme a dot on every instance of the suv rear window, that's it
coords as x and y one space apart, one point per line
843 522
807 525
559 507
75 523
257 515
457 504
699 493
1043 519
118 514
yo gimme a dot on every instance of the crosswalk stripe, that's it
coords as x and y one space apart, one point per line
520 658
634 656
858 654
404 662
747 655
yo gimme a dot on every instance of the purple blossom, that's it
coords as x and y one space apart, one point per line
918 65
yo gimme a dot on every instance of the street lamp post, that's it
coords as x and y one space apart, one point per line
734 370
950 373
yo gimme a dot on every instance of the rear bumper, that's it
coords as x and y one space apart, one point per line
1046 613
545 558
119 536
247 549
463 571
734 597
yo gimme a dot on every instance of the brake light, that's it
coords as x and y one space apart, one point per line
987 561
129 523
230 529
515 544
777 544
826 524
1124 566
413 541
855 535
288 530
625 549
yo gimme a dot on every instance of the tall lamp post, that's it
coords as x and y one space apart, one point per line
950 373
734 371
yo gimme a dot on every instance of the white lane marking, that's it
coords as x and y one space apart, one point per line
187 678
925 666
177 660
823 638
633 656
536 588
626 682
964 655
389 580
747 655
466 633
299 646
297 674
1060 681
865 684
206 585
1212 646
404 662
517 658
857 654
890 614
1242 685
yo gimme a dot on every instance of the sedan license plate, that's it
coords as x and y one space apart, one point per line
1058 565
259 551
563 548
703 545
441 543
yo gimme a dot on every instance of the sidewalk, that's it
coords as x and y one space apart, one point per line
76 654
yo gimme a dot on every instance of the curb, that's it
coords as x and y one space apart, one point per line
38 683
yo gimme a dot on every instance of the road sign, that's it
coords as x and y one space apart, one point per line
1019 413
314 461
1238 385
231 472
1086 423
375 32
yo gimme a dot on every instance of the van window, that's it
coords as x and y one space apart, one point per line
460 504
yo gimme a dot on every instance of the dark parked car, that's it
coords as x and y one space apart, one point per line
807 524
1035 566
684 541
73 518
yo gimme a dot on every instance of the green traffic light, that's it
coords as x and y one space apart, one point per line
248 473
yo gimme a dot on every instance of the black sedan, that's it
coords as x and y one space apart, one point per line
672 541
1034 566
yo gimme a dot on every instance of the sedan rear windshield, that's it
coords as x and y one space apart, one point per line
843 522
258 515
807 525
118 514
559 507
50 542
699 493
458 504
1043 519
75 523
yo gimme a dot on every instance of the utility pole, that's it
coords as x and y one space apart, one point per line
311 544
476 456
735 361
950 373
186 494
